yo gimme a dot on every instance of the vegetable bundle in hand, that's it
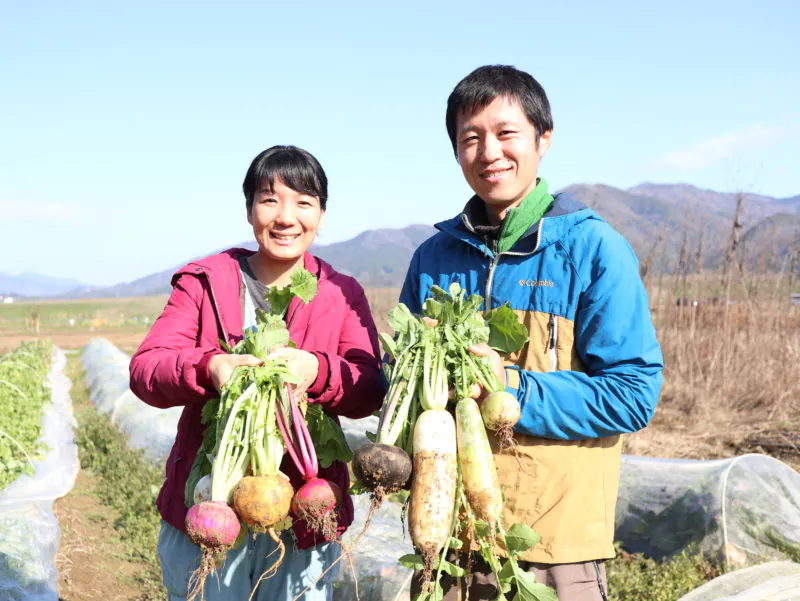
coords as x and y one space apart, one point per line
454 486
248 429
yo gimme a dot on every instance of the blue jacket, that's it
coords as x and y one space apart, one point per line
590 372
571 265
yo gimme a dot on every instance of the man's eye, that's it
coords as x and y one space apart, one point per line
267 200
469 139
507 132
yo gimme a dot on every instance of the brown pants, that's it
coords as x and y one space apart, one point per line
584 581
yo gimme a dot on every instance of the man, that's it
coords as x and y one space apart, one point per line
592 368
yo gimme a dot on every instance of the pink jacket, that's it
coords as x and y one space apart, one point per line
171 366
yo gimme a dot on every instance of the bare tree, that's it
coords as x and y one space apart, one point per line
733 244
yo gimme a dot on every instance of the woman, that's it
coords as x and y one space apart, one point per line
180 362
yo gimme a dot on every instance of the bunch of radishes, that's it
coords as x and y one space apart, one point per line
236 476
431 414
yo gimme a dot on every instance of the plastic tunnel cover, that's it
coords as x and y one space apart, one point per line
29 532
743 510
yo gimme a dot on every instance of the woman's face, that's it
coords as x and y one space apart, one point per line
285 222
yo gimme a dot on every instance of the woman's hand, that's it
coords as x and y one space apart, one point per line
221 367
302 364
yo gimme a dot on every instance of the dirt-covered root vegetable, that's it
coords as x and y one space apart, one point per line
478 471
263 501
433 484
382 467
213 526
317 502
500 412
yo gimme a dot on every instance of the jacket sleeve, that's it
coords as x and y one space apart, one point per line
169 369
616 340
349 382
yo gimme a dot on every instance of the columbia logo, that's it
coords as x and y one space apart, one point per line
534 283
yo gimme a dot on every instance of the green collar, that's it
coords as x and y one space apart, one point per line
519 219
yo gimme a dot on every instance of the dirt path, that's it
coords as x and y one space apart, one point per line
88 562
91 560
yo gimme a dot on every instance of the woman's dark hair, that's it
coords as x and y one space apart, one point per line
295 167
479 89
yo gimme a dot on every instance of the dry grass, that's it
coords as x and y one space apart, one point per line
732 369
381 300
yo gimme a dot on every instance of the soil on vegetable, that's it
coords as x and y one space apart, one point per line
88 564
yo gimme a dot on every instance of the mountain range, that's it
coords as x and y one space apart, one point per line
657 219
35 285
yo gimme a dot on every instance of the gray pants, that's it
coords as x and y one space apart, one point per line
584 581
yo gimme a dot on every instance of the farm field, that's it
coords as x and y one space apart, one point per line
72 323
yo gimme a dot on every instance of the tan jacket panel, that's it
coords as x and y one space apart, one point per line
566 490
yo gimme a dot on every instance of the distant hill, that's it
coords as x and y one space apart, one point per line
655 218
768 243
34 284
378 258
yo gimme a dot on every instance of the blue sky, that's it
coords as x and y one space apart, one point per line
126 128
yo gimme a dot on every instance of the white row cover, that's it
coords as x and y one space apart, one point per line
773 581
147 428
29 532
741 511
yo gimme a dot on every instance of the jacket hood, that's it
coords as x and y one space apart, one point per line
565 213
224 261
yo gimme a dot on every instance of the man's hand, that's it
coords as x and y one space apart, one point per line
221 367
484 350
303 364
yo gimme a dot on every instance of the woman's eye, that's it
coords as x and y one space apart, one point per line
507 132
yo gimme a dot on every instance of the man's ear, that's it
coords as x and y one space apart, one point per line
544 142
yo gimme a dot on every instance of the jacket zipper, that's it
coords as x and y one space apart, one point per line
553 341
493 260
220 321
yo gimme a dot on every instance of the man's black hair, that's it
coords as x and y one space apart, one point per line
479 89
295 167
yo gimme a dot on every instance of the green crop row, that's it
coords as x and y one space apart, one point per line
23 396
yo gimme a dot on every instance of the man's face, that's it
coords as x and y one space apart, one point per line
498 154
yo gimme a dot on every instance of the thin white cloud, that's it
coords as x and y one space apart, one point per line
711 151
27 211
